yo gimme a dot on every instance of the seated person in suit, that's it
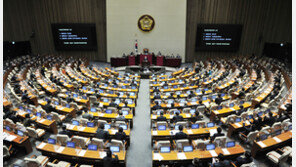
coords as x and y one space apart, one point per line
156 89
48 107
120 135
244 160
177 117
101 133
156 106
25 97
241 110
109 161
196 117
170 96
221 161
87 116
65 132
157 96
270 120
113 104
218 134
27 121
247 129
120 117
181 134
161 117
218 100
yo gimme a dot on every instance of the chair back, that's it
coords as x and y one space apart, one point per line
62 139
99 142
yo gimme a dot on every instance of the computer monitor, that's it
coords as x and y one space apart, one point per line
178 93
250 117
230 144
8 128
68 105
75 95
49 117
90 124
210 147
92 147
165 87
132 94
290 127
38 114
124 112
260 113
74 122
101 91
133 87
206 89
192 111
241 102
187 148
182 100
220 107
154 82
93 109
222 94
111 92
71 144
214 97
210 124
20 107
108 111
204 98
51 141
107 126
114 86
92 89
114 149
29 111
263 137
197 90
231 104
165 149
84 88
123 87
171 101
177 127
175 86
124 127
84 97
195 126
105 100
161 127
56 103
20 133
176 111
277 132
194 99
238 119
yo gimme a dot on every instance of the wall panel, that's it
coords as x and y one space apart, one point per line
21 17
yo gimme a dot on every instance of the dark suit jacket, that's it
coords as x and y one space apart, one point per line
218 100
161 118
177 118
112 104
120 136
102 134
110 162
69 134
240 161
216 135
181 135
198 118
27 122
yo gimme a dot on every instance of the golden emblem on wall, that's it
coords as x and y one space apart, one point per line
146 23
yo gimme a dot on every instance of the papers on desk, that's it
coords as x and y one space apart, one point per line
41 120
261 144
154 117
101 105
100 114
41 145
181 104
154 133
213 153
103 154
171 116
232 109
194 103
277 139
238 124
157 156
225 151
188 115
61 108
169 105
61 149
212 131
189 131
113 131
207 104
81 153
181 156
81 128
69 126
10 137
247 122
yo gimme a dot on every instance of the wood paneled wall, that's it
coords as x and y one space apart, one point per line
21 17
262 20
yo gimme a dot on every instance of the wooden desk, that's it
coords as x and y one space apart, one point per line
226 111
20 141
165 158
271 143
65 110
112 116
77 154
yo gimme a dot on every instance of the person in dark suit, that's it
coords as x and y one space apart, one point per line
244 160
113 104
25 97
170 96
120 135
65 132
156 106
196 117
48 107
247 129
108 161
270 120
181 134
120 117
156 89
157 96
241 110
102 134
221 162
177 117
218 100
161 117
218 134
27 121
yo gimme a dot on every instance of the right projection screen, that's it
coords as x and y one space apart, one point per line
218 37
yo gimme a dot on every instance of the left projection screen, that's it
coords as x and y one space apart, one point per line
74 36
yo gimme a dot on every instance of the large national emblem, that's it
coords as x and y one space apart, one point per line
146 23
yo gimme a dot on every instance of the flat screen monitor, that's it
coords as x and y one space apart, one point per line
49 117
165 87
90 124
231 104
8 128
108 111
29 111
161 127
210 147
230 144
124 127
178 93
222 94
71 144
170 101
177 127
218 37
238 119
105 100
68 105
38 114
277 132
93 109
192 111
51 141
107 126
197 90
165 149
132 94
84 88
219 107
204 98
92 147
210 124
74 36
101 91
260 114
187 148
129 101
75 95
263 137
114 149
124 112
74 122
290 127
56 103
195 126
20 133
